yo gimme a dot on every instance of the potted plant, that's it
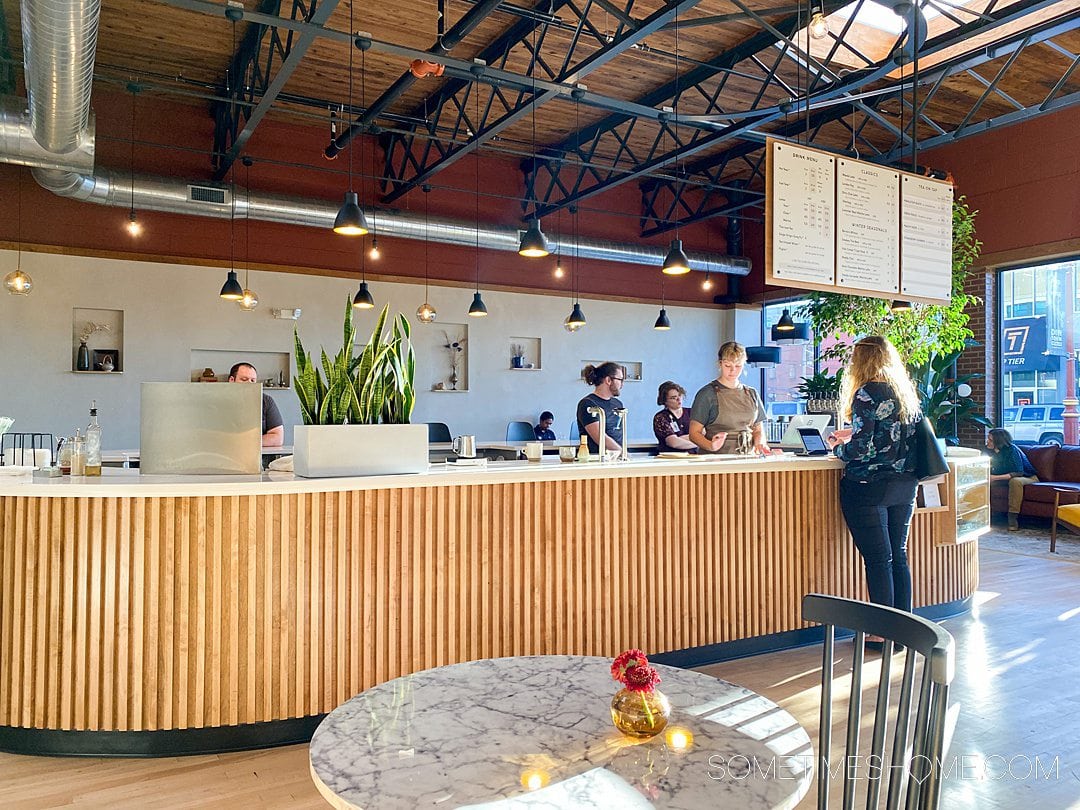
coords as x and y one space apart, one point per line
945 397
356 409
821 391
517 356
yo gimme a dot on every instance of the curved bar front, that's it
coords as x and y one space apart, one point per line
161 616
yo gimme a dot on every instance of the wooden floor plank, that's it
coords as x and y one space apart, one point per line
1015 689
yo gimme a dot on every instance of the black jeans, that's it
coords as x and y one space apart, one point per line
878 515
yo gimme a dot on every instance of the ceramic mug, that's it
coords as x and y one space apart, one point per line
465 446
534 451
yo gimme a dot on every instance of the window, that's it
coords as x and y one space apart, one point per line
1039 335
1032 414
1010 415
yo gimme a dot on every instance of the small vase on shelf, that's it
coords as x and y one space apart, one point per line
82 358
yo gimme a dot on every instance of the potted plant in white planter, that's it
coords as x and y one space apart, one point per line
356 410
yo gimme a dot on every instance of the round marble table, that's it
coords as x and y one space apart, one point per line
532 732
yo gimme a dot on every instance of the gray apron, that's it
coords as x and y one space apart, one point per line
736 411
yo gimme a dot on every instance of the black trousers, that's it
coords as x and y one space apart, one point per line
878 515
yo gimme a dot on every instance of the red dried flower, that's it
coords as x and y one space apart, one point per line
642 679
627 660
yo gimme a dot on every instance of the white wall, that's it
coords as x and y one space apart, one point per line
171 309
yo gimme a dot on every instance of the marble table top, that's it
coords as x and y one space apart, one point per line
536 732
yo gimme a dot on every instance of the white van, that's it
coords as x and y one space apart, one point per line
1035 423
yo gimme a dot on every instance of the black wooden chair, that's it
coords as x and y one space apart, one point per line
912 759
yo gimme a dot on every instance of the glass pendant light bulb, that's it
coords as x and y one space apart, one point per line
819 25
249 300
707 284
425 313
374 253
134 227
559 272
18 283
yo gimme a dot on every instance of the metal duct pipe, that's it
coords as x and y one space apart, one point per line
59 45
18 145
174 196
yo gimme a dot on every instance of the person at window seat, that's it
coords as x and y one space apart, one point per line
1009 463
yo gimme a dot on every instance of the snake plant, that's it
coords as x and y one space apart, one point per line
374 387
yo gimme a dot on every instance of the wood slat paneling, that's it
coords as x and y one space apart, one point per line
157 613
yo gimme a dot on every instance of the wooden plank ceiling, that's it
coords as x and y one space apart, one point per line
172 49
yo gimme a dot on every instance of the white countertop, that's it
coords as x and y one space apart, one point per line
118 482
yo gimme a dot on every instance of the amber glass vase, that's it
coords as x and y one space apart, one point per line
640 714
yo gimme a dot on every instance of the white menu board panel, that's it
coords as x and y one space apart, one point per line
867 226
925 238
802 220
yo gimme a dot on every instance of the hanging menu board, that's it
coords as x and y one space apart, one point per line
926 237
867 226
801 228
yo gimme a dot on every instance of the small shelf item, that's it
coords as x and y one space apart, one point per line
213 365
634 368
525 353
94 333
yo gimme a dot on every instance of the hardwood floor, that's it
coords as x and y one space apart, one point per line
1016 688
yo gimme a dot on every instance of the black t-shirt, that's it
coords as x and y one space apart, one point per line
613 424
271 416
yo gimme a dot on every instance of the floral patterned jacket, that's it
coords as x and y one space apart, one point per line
879 440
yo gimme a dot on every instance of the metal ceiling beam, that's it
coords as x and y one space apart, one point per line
435 160
250 76
708 173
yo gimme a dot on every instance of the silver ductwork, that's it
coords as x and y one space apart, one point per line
59 45
19 146
174 196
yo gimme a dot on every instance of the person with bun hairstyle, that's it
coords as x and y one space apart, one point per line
606 379
877 490
725 408
671 425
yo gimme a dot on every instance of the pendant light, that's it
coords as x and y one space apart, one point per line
762 356
785 324
900 306
249 300
425 313
18 282
133 225
558 272
363 299
707 284
231 289
676 262
819 25
662 323
533 243
576 319
477 309
350 220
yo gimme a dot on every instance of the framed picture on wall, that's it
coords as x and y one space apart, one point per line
106 360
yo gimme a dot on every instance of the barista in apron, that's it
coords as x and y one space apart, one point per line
727 416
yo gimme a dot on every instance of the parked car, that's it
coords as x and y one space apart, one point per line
1036 423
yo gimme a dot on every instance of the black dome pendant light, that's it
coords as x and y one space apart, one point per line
533 244
477 309
350 220
676 262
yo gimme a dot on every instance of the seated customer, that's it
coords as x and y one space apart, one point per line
273 426
1008 462
543 431
671 425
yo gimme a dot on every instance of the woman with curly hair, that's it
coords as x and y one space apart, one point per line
877 491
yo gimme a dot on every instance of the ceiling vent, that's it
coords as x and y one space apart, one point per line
208 194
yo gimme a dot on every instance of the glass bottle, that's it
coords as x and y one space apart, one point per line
64 455
78 455
92 447
583 449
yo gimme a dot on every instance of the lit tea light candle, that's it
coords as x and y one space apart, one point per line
679 739
534 780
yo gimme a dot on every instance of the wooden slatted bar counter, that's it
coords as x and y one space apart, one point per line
170 615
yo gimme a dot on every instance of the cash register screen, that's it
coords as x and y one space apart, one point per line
200 429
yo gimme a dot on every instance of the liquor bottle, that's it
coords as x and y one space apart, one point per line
92 447
583 449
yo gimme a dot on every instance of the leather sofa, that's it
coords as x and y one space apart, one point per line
1057 468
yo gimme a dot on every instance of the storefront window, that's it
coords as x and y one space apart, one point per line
1039 343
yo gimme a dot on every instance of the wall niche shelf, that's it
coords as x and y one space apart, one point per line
97 340
634 369
272 367
525 354
91 371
